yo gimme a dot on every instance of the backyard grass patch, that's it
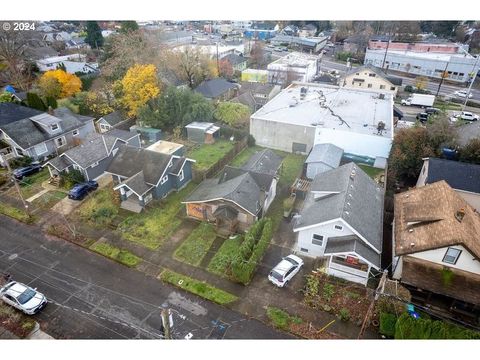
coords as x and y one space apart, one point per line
196 246
100 208
371 171
197 287
123 256
292 166
208 154
281 319
156 223
225 255
16 213
244 155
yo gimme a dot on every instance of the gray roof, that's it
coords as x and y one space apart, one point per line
246 99
138 184
234 59
177 165
130 160
265 162
214 87
121 134
242 190
459 175
113 118
327 154
60 163
92 149
347 192
26 133
10 112
263 180
468 132
352 243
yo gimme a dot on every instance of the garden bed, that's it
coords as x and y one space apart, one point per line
14 321
197 244
197 287
156 223
347 300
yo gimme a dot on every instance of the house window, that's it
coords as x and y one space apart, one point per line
371 75
164 180
60 141
338 227
369 86
392 88
304 250
75 132
181 175
382 87
40 149
451 256
317 240
54 127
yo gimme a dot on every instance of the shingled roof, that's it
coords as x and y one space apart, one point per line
214 88
265 162
430 217
459 175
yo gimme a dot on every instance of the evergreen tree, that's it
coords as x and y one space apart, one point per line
128 26
34 101
94 35
52 102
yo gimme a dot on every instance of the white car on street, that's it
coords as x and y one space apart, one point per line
465 115
285 270
23 297
462 94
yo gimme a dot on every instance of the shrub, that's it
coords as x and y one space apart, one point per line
278 317
69 179
328 291
408 88
387 324
312 286
344 55
20 162
251 140
344 314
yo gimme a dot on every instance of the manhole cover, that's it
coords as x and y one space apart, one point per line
218 332
13 257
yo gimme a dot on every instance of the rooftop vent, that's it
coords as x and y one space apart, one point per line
352 174
460 214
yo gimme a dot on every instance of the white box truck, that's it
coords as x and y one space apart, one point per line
419 100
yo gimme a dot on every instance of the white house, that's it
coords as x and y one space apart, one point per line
295 66
360 121
370 77
52 63
334 223
436 247
464 178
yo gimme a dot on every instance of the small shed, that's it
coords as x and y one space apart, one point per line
167 147
148 135
202 132
322 158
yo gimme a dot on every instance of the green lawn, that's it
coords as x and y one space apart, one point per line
196 245
281 319
152 226
100 208
292 166
371 171
15 213
197 287
30 185
208 154
49 199
123 256
223 257
244 155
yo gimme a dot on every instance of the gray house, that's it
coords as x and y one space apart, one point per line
93 156
323 157
110 121
141 175
217 89
29 132
342 221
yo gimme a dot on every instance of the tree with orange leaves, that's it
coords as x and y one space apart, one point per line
69 84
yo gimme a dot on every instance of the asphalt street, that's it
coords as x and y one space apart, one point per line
92 297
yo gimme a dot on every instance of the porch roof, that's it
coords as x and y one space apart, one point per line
352 243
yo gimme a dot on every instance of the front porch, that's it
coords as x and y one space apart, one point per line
131 204
349 268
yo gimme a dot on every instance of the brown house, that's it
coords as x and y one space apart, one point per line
437 248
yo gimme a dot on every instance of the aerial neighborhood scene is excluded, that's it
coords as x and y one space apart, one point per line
240 180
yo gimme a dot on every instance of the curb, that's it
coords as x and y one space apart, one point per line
38 334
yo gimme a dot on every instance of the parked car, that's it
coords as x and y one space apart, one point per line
285 270
79 191
20 173
432 111
465 115
23 297
462 94
422 117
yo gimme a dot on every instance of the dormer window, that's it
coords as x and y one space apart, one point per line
451 256
54 127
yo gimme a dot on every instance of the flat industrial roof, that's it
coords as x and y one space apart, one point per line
344 109
296 59
164 147
425 55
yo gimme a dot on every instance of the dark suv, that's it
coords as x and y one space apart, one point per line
21 172
79 191
423 117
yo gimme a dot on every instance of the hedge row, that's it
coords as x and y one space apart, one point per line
407 327
251 251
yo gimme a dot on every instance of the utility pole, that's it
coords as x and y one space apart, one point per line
368 315
25 205
444 75
385 55
218 67
474 73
